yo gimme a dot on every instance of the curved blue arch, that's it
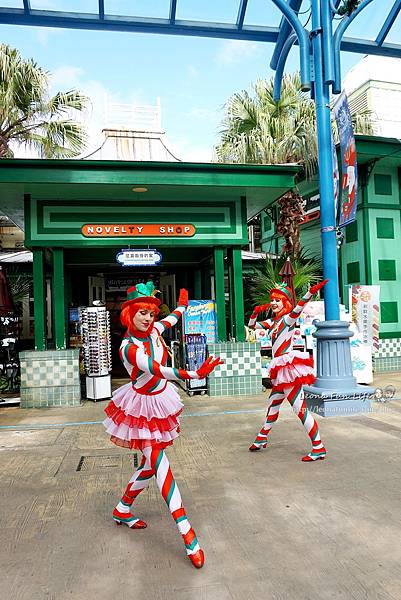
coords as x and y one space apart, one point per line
282 59
338 35
303 40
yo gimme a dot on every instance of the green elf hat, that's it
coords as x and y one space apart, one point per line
142 292
283 290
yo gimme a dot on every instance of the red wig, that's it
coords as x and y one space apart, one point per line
128 313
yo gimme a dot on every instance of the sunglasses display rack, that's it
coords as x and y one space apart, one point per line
95 327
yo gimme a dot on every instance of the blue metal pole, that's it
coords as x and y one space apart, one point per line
335 390
327 212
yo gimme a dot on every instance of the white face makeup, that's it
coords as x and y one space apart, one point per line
276 304
143 319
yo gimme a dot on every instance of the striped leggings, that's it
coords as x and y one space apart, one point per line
155 462
295 397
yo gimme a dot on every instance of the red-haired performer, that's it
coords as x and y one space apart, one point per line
143 414
289 369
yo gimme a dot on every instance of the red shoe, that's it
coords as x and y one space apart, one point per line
312 456
257 446
197 559
128 519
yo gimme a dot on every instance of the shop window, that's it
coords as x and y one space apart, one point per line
385 228
353 275
267 223
383 185
387 270
389 312
351 232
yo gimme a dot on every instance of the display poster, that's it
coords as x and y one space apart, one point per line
349 186
200 317
336 175
364 301
361 357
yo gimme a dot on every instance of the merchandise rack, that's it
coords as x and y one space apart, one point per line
95 325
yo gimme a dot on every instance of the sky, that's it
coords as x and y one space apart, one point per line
193 77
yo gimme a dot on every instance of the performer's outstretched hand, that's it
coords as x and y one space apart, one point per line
259 309
183 299
208 366
318 286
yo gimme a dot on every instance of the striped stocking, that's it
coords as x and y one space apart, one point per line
276 399
171 494
295 397
138 482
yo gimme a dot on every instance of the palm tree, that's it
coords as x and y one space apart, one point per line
259 129
307 272
30 116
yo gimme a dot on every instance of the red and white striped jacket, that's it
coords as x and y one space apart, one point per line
145 358
282 329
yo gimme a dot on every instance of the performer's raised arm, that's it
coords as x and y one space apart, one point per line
173 318
291 317
254 324
134 356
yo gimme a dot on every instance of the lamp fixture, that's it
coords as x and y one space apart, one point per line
139 189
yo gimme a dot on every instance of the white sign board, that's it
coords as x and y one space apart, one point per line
138 258
364 302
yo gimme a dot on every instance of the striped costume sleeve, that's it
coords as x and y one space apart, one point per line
171 320
137 357
291 318
254 324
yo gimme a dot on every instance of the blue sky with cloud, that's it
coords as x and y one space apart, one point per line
193 77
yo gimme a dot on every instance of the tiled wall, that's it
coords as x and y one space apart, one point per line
388 357
241 373
50 378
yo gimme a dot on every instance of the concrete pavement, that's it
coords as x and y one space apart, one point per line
271 526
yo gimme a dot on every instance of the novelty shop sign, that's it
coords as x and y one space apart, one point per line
138 258
138 230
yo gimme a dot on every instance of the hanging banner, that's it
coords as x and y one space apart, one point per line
349 186
364 306
336 175
200 317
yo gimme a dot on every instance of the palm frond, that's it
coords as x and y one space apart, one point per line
307 272
30 117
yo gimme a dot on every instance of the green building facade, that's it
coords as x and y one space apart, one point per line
370 252
77 216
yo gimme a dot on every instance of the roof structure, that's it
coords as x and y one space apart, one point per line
236 21
132 133
108 180
120 144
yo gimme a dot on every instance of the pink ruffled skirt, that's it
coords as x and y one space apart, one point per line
292 368
137 420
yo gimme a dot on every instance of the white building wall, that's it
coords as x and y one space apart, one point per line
375 84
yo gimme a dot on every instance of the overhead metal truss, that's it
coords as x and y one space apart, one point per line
170 25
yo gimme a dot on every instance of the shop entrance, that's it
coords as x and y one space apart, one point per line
97 283
96 289
168 290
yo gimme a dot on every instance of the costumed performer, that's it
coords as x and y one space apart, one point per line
289 369
144 414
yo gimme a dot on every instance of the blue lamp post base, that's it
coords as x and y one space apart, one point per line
335 391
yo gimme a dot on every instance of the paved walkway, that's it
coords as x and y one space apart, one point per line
271 526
